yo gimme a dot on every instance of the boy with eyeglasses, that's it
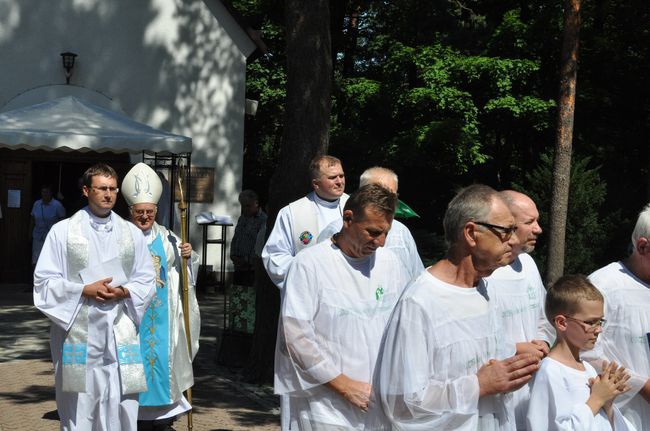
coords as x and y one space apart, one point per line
568 393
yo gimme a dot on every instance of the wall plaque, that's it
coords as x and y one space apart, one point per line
201 185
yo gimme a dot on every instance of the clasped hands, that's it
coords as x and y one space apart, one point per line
498 376
611 382
101 291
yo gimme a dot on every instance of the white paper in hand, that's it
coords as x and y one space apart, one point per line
110 268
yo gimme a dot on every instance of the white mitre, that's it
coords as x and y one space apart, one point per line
141 185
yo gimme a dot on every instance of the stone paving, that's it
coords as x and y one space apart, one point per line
222 401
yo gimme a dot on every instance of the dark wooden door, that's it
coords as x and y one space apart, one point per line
15 248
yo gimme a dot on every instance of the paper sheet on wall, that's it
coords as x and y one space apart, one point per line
13 198
110 268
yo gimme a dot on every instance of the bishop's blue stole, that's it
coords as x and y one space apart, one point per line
154 335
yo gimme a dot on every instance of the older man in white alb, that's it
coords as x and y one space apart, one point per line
518 293
399 239
625 338
444 364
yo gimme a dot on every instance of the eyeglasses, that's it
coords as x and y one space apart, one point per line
105 189
503 232
140 213
592 325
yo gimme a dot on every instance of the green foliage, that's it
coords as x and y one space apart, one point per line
450 92
590 226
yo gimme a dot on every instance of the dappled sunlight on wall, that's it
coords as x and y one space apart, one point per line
168 63
9 19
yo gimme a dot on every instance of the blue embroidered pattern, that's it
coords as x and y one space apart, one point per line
74 354
129 354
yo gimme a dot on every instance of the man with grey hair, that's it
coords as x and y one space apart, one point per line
339 296
444 363
399 239
625 338
298 224
518 293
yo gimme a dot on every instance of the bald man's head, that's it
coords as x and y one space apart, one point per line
378 175
526 216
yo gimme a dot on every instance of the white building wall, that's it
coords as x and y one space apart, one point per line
177 65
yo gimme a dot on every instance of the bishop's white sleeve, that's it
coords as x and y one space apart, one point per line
412 396
552 408
55 296
311 364
142 280
278 253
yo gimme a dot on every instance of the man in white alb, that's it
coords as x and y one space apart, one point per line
163 343
298 225
518 293
444 362
339 296
399 239
625 338
93 280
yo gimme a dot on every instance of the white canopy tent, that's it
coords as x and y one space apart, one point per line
72 124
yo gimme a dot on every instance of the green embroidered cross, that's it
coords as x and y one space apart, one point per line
379 292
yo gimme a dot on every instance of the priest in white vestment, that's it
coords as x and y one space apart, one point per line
399 240
339 296
167 361
626 337
444 363
298 224
518 293
93 280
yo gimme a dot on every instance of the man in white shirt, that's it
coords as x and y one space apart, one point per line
298 225
339 296
625 337
444 362
399 239
518 293
93 280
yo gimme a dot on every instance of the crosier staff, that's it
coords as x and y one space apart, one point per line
182 207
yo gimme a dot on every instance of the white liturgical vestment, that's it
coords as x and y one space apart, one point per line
399 240
58 294
518 293
558 401
626 336
437 339
333 316
280 248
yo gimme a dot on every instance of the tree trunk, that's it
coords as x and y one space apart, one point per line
564 137
351 39
305 135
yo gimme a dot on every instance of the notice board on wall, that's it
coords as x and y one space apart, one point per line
201 185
